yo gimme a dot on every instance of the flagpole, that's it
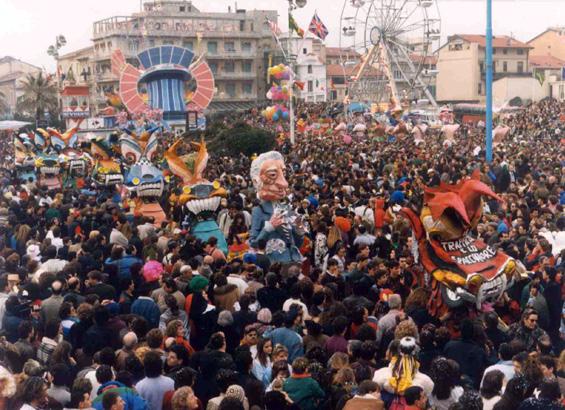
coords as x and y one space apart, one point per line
291 77
488 51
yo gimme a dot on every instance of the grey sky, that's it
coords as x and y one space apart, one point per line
28 27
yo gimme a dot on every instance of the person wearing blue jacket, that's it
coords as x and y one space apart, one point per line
146 307
132 400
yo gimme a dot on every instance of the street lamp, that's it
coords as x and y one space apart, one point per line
292 5
53 51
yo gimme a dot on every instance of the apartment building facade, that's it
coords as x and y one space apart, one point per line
462 69
236 44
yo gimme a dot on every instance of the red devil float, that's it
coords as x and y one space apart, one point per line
462 270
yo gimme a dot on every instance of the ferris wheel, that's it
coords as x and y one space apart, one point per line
387 49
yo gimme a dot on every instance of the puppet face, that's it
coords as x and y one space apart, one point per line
272 182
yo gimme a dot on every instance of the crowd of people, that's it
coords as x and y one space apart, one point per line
102 309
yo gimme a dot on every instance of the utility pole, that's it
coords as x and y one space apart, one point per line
488 51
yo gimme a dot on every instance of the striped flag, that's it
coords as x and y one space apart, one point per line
274 27
292 26
318 28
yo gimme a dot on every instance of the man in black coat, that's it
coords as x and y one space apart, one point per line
471 357
552 294
271 296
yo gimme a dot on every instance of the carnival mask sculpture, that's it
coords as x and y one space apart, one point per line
75 163
462 269
47 161
25 153
198 195
107 171
268 175
272 220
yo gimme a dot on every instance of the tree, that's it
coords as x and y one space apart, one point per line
39 95
244 139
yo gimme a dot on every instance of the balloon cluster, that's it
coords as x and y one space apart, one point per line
278 93
280 72
276 112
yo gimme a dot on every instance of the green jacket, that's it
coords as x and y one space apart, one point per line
305 392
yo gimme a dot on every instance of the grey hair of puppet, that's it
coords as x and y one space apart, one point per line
257 162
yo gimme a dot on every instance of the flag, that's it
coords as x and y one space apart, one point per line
299 84
540 76
292 26
318 28
274 27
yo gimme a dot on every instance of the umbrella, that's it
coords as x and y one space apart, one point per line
12 125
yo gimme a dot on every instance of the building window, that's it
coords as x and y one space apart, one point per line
151 43
333 95
309 68
520 66
480 89
246 47
212 47
494 51
247 88
182 9
304 51
241 25
188 44
229 67
213 67
504 51
246 66
482 66
229 47
230 89
520 51
310 86
397 74
504 66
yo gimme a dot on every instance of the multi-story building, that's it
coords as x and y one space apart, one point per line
78 99
306 55
236 44
549 43
12 74
461 65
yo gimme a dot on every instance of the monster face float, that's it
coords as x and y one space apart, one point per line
200 196
75 163
463 270
48 168
107 171
24 158
143 178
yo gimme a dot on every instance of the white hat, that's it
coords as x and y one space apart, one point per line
34 252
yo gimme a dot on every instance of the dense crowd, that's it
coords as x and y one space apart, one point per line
102 309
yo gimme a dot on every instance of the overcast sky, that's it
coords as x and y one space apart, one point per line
28 27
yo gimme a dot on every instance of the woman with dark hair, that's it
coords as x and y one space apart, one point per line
62 354
515 392
445 377
33 393
491 388
262 364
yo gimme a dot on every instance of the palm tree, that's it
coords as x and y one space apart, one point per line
39 95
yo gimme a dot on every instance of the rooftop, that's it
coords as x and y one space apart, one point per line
546 62
9 59
338 51
337 70
497 41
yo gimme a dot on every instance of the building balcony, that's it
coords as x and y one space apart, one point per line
107 76
236 75
223 96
